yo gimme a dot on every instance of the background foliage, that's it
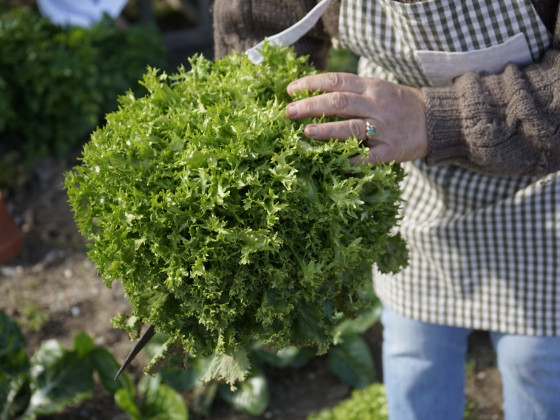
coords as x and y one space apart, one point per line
57 83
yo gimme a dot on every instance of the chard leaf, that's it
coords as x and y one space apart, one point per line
251 397
59 377
13 359
351 361
203 397
14 366
127 403
83 345
288 356
161 402
187 375
106 367
365 320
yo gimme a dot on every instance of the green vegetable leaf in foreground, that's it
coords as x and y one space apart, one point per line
14 369
224 223
160 401
60 376
364 404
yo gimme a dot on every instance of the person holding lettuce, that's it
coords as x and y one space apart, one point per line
466 96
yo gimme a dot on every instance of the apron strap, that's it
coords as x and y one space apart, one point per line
292 34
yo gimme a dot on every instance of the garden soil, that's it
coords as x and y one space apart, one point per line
53 291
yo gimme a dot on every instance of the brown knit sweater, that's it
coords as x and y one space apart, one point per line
505 125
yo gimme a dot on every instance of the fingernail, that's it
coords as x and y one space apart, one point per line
291 110
311 131
292 87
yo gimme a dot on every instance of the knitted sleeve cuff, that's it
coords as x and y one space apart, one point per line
446 140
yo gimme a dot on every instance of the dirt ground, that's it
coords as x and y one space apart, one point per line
53 291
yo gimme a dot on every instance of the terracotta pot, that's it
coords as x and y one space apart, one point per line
10 237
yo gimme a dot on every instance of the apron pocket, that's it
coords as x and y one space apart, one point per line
441 68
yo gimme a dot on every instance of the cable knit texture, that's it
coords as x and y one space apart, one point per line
506 124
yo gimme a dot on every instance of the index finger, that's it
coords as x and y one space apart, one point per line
329 82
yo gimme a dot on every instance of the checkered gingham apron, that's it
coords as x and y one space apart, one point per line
484 251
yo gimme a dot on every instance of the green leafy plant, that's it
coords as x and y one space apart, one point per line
56 377
14 369
159 402
11 170
368 403
57 83
350 358
224 223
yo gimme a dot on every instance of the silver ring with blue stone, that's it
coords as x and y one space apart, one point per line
371 130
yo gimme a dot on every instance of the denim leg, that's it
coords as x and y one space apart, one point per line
423 368
530 369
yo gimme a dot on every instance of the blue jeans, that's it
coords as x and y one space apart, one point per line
424 371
